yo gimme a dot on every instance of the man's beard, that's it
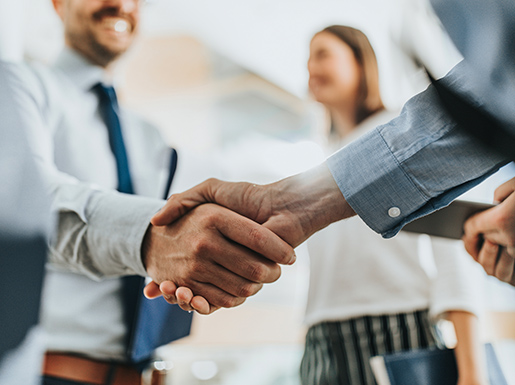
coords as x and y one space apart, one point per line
98 53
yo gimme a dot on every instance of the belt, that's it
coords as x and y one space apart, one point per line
85 370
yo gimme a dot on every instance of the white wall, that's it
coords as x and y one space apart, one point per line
268 37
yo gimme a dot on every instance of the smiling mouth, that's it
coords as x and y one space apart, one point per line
116 24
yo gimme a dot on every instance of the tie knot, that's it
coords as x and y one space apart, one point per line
105 93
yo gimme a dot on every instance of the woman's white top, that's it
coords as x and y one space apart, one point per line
355 272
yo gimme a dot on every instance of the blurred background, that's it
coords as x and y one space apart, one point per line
227 80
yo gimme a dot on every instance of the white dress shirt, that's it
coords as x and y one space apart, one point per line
83 315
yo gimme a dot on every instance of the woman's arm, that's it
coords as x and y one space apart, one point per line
469 351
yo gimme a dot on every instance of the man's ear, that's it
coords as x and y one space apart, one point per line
58 6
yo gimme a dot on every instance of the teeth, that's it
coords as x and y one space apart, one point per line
116 24
121 26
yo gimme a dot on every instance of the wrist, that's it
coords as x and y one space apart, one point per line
149 249
317 200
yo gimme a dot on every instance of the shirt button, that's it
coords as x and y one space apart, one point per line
394 212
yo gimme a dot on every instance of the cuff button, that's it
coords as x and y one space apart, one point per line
394 212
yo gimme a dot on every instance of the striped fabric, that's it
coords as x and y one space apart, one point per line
337 353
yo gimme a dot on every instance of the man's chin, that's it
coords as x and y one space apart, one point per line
112 41
105 54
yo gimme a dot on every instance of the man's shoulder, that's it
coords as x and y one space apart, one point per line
49 77
23 77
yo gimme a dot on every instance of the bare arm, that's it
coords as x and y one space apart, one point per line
469 350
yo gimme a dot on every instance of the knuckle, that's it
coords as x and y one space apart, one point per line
285 256
209 216
257 236
248 289
200 246
258 272
275 273
170 299
227 301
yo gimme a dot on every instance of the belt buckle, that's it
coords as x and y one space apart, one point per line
156 373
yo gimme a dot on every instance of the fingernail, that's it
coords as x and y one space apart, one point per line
293 259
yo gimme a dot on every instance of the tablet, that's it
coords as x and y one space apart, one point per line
447 222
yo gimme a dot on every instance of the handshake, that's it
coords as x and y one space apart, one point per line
219 242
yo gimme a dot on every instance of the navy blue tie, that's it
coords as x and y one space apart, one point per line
151 323
109 110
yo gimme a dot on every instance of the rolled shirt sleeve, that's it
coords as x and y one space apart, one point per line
413 165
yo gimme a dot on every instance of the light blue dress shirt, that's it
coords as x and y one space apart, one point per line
100 231
420 161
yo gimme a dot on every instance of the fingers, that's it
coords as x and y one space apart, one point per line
184 297
212 251
198 303
481 223
230 281
504 270
152 290
488 257
168 289
472 244
201 305
257 238
215 296
497 262
504 190
179 204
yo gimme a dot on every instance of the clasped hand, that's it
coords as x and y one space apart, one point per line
260 226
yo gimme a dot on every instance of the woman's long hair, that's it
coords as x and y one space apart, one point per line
369 98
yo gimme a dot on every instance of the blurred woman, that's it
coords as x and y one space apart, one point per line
370 296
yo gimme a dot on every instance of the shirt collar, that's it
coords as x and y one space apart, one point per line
80 70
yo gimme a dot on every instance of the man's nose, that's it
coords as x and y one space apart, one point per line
125 6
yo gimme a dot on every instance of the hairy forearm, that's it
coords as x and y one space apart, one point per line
314 198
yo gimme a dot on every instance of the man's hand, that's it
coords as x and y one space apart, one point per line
293 208
182 296
490 235
220 255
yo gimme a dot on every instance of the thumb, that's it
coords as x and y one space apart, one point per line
179 204
504 190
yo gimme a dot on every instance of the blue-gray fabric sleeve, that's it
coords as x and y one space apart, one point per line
413 165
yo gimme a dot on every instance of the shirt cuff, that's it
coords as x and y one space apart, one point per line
117 224
374 184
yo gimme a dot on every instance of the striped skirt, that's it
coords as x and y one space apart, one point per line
337 353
